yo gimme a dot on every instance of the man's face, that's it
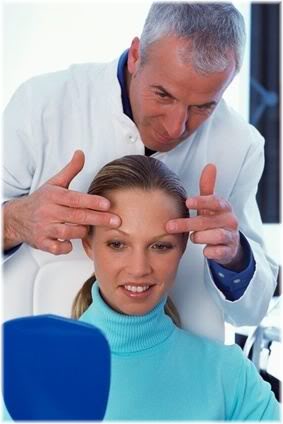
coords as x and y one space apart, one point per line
169 99
136 264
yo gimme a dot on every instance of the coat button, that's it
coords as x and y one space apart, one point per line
132 139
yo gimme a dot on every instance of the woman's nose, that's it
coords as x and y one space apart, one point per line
139 264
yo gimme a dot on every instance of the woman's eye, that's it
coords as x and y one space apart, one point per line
116 245
162 246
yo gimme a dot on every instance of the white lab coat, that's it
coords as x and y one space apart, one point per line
52 115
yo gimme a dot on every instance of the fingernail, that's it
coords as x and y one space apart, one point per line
115 221
104 204
171 226
191 203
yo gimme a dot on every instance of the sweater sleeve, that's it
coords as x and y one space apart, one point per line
252 398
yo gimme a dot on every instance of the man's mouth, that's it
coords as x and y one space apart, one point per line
166 139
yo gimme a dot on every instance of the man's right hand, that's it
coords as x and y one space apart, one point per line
49 218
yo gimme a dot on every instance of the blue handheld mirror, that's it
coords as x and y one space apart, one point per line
55 369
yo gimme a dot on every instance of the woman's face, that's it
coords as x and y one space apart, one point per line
136 264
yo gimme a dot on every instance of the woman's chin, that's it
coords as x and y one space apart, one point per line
134 310
131 308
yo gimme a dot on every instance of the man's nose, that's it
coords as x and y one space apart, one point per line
176 121
139 264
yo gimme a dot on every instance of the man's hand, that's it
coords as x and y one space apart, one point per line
53 215
215 226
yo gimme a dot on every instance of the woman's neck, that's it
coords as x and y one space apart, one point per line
128 333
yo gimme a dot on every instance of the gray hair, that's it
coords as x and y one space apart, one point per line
212 29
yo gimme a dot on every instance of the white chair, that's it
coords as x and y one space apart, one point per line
36 282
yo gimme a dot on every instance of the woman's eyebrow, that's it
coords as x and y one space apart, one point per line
128 235
117 230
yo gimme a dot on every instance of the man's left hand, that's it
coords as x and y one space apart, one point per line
216 226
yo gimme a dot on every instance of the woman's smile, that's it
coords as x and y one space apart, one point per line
137 291
136 264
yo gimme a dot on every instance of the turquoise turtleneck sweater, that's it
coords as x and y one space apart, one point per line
160 372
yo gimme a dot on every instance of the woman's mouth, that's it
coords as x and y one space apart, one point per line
136 290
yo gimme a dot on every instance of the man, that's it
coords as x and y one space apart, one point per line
163 97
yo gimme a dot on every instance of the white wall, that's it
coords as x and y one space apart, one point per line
41 37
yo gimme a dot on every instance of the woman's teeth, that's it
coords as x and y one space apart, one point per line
136 289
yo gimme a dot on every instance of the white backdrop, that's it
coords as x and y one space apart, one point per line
45 36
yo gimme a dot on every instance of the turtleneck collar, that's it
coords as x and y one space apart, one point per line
128 333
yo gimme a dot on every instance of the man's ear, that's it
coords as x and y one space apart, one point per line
134 55
87 245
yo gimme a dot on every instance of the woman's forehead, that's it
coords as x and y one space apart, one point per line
143 211
153 201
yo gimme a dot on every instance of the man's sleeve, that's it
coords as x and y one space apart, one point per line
232 283
19 153
252 305
19 150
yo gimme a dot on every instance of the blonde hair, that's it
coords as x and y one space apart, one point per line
131 172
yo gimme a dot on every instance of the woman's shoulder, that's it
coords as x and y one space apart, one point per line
197 344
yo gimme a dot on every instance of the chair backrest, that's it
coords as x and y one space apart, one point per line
37 282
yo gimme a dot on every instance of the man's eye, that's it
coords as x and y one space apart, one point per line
161 95
162 246
116 245
204 109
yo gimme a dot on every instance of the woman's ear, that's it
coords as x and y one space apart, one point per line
87 245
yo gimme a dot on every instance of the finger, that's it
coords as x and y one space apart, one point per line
75 199
220 254
57 247
67 231
68 173
197 223
207 180
64 214
209 202
213 237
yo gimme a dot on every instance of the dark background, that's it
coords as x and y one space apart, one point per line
265 101
264 115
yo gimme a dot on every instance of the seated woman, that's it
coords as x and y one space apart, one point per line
158 370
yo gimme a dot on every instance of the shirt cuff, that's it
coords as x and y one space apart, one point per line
232 283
